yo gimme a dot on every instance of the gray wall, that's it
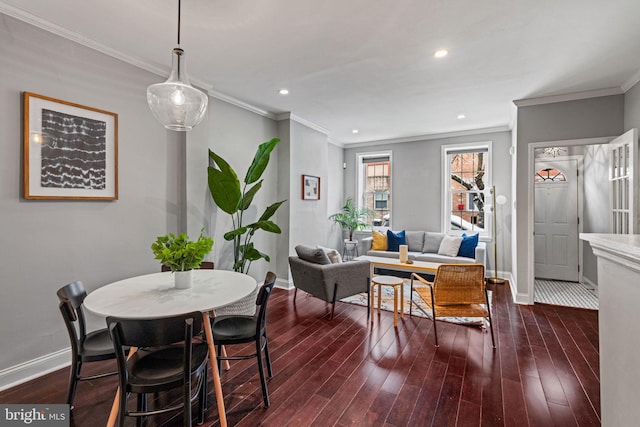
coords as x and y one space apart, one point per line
596 203
162 187
46 244
586 118
416 179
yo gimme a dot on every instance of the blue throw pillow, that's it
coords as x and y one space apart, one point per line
468 246
394 240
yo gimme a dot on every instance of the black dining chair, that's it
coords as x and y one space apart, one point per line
233 329
169 354
85 347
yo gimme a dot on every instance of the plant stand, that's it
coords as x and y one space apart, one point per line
350 250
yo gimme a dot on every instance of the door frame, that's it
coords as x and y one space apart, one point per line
580 203
530 199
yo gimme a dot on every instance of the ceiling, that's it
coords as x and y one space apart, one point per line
368 65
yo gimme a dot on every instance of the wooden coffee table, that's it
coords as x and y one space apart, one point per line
395 264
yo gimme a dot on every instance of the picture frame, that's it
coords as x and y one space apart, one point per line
70 150
310 187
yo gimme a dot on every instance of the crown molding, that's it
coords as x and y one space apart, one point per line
415 138
336 143
235 101
291 116
50 27
528 102
631 82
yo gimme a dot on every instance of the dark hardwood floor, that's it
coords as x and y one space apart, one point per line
343 372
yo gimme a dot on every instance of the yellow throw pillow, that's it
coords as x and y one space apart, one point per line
379 241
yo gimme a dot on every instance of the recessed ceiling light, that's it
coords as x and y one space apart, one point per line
441 53
461 116
355 131
283 91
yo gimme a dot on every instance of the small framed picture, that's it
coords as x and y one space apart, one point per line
310 187
70 150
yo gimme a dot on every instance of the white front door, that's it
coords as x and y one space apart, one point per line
556 220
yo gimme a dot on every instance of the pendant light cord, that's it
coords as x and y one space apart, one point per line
179 1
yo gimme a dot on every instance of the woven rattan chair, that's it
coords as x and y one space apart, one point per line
458 290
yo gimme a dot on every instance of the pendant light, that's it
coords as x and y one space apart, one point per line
175 103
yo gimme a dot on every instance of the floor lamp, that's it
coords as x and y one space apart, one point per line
500 200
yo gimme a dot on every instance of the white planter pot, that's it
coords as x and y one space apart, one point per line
183 279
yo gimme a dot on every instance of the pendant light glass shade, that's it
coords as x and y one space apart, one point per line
175 103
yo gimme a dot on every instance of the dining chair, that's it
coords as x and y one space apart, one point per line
204 265
167 357
85 347
233 329
457 290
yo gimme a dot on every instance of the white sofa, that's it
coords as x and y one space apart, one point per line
424 245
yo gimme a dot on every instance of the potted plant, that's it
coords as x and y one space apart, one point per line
181 255
352 218
234 199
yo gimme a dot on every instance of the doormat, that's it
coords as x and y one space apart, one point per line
387 304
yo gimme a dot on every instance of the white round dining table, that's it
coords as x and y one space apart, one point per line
154 295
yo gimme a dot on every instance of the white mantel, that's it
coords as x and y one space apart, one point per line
619 326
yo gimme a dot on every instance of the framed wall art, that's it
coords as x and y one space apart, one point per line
310 187
70 150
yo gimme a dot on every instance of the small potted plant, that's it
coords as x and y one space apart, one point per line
352 218
181 255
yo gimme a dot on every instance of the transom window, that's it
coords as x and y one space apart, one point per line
466 189
549 175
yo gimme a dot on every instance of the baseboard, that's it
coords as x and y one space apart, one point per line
35 368
284 284
589 283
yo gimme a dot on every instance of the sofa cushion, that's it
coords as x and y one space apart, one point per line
314 255
450 245
432 242
395 239
443 259
379 242
333 254
415 240
468 245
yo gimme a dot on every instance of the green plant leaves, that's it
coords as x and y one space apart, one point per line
228 195
260 161
248 195
224 184
268 213
179 253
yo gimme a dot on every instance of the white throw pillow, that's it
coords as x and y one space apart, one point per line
450 245
333 255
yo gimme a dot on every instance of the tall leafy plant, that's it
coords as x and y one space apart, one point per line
235 198
352 218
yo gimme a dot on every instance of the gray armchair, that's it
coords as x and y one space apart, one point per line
329 282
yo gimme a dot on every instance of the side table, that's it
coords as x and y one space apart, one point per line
349 250
396 282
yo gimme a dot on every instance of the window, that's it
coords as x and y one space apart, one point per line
467 182
374 186
549 175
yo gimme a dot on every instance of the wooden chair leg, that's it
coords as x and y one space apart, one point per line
493 343
295 294
433 315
